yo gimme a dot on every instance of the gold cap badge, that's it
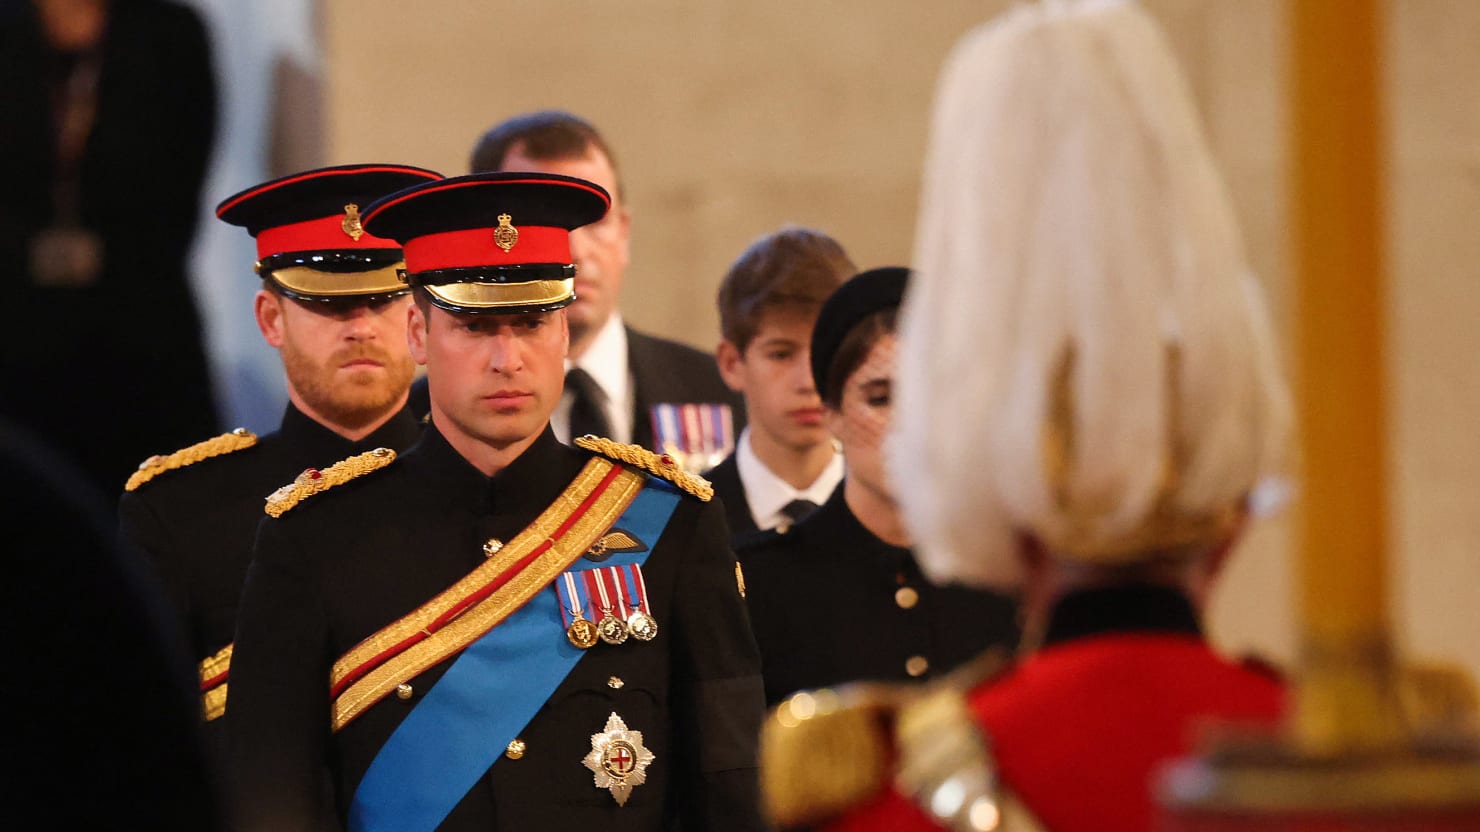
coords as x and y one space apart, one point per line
351 222
506 235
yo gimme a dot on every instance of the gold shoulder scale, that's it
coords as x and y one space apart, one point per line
661 465
314 481
226 443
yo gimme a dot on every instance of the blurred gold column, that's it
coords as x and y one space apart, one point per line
1369 745
1346 698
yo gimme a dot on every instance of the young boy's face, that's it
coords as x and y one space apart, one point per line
774 373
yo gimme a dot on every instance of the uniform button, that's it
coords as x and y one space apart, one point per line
916 665
906 597
491 547
615 682
515 749
404 691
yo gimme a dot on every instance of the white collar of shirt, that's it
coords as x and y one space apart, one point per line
606 361
768 493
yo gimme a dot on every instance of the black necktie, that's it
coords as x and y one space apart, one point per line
587 409
797 509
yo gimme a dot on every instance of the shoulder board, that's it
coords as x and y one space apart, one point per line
660 465
226 443
314 481
826 752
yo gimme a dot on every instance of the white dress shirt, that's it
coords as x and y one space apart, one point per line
767 493
606 362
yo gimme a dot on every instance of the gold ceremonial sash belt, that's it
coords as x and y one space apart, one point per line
480 601
213 674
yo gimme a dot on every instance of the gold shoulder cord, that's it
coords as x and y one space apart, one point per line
314 481
226 443
661 465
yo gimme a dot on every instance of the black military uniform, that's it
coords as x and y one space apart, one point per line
339 569
341 566
831 603
194 513
196 524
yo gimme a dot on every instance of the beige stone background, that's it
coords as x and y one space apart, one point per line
730 119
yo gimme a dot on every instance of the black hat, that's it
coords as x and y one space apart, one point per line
491 242
310 242
862 295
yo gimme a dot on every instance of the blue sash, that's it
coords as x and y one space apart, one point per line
494 688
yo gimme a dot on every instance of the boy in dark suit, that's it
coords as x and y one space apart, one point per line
785 463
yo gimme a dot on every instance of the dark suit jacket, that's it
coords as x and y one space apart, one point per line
663 371
725 477
346 563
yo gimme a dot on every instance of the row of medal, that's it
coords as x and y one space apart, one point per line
607 604
698 436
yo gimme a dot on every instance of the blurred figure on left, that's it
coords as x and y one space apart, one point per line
110 115
333 305
104 686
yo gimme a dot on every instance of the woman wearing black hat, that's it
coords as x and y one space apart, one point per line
838 596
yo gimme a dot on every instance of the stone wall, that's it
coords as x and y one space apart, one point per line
730 119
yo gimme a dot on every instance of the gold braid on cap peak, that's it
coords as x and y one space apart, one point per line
661 465
1166 529
226 443
314 481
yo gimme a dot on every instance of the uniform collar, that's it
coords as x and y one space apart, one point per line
1121 609
301 432
525 486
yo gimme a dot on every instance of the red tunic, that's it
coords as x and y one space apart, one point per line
1079 729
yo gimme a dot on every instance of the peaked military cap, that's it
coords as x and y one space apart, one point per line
491 242
862 295
311 243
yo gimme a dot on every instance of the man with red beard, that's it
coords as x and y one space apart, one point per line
333 305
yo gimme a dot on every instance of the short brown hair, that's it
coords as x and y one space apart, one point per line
546 135
793 268
854 350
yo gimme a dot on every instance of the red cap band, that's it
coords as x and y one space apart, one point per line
476 247
324 234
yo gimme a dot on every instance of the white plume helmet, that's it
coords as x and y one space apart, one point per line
1075 244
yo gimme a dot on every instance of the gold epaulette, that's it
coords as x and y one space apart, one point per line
661 465
313 480
226 443
826 752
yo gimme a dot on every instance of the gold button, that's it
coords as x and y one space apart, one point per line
491 547
783 528
515 749
906 597
403 691
916 665
615 682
